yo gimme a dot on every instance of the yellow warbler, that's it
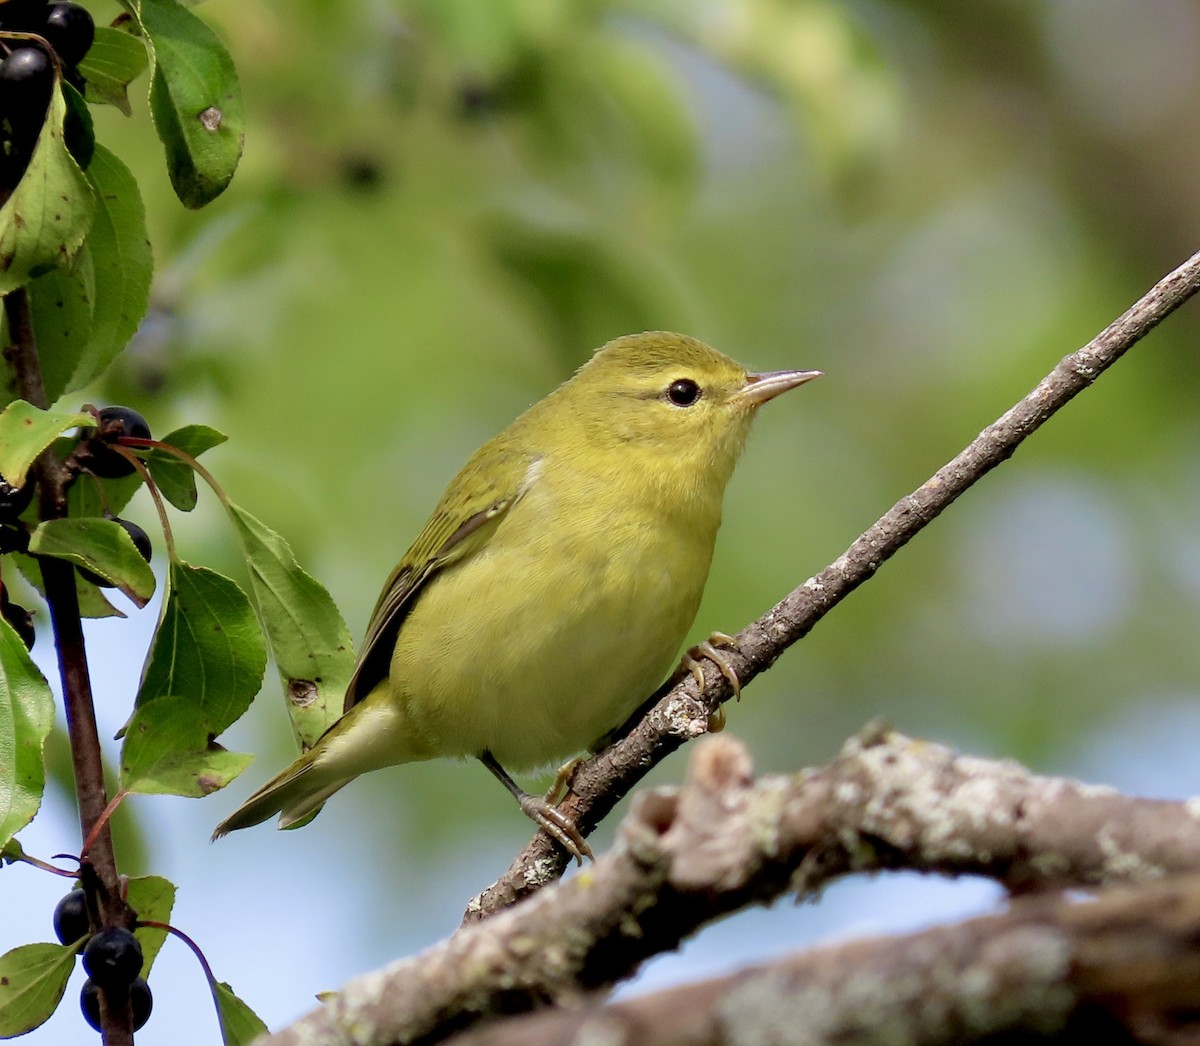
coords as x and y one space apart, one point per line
550 591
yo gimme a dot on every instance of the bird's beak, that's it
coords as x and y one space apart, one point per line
766 386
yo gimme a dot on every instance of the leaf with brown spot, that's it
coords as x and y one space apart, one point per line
167 752
193 74
25 431
309 640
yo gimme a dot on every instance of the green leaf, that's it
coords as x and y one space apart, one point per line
113 61
78 127
122 267
48 215
32 981
60 304
11 852
309 640
25 431
175 478
92 603
152 897
168 751
100 545
90 496
208 648
26 717
194 98
240 1025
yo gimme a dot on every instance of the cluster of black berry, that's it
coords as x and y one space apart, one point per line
62 30
96 455
112 959
100 459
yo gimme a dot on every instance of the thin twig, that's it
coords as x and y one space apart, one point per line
681 713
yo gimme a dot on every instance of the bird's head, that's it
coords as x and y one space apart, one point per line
668 396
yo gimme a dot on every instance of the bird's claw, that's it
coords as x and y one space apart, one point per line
561 787
557 825
542 810
708 649
716 720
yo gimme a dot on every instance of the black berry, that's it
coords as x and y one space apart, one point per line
141 541
26 82
70 31
103 461
13 539
122 421
89 1002
113 957
22 623
139 998
71 918
25 66
14 500
142 1000
114 423
25 16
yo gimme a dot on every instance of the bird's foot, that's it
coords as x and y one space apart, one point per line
708 649
563 776
543 810
551 820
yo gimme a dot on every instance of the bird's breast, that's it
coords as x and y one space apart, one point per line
556 630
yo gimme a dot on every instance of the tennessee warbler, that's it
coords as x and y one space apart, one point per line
550 591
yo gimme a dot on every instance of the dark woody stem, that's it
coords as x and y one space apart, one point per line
58 577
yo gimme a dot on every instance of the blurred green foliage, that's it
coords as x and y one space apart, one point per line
444 205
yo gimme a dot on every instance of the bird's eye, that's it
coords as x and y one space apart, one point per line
683 392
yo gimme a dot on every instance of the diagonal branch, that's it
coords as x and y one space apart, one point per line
680 712
685 857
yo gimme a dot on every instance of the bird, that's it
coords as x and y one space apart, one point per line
551 589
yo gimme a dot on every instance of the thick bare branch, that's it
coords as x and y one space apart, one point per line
1124 967
681 712
687 856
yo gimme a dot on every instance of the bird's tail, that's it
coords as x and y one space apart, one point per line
371 735
296 794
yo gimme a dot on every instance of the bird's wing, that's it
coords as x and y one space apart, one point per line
470 510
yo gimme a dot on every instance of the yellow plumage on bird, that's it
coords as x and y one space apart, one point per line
551 589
